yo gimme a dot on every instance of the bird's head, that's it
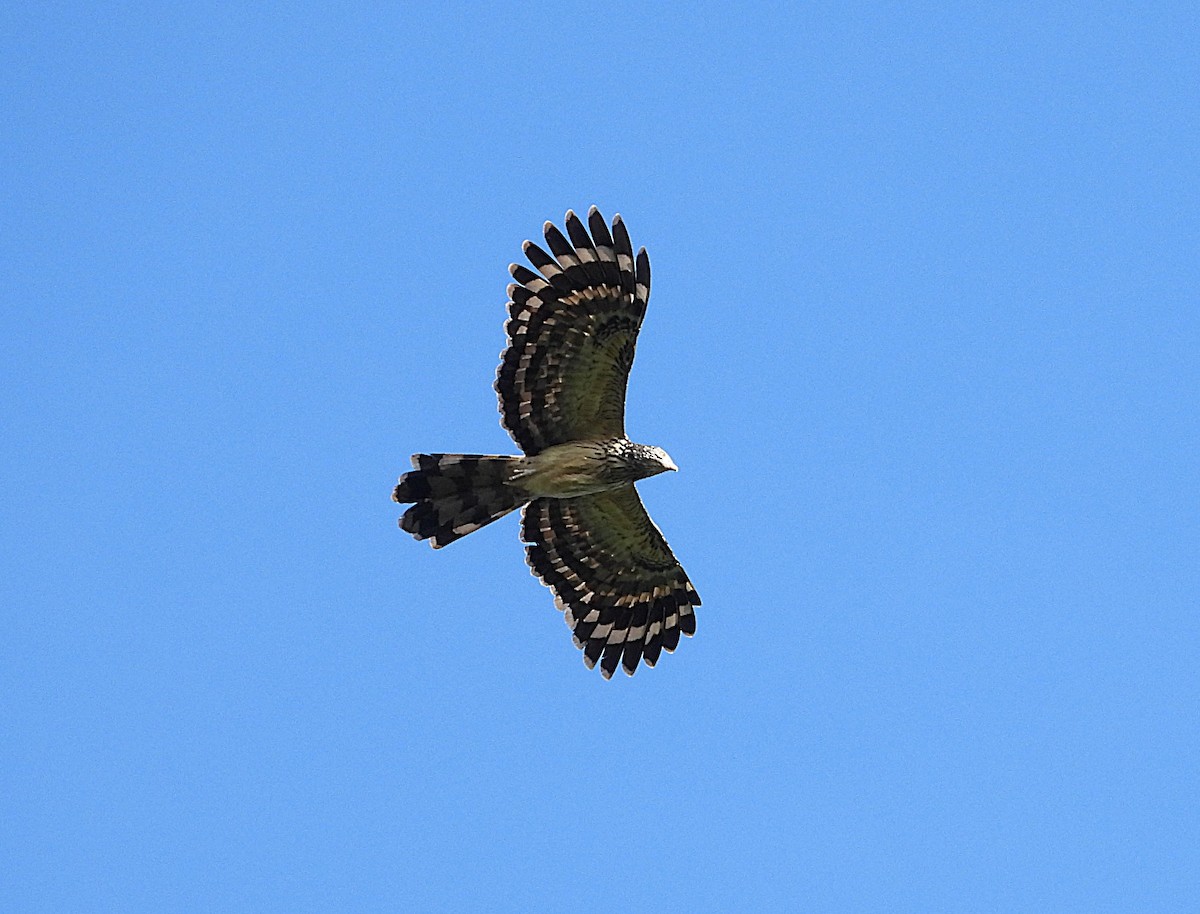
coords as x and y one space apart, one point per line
658 461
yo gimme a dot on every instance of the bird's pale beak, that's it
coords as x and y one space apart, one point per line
670 464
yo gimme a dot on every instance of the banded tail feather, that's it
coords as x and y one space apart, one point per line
456 494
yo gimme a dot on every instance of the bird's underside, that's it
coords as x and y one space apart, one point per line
572 330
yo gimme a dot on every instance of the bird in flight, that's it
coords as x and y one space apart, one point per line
572 329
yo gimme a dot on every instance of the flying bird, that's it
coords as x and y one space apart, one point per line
572 329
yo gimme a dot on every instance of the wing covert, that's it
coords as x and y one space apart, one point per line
624 594
572 330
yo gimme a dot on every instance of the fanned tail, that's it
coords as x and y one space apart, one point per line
456 494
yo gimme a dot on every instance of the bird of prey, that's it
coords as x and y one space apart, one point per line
571 330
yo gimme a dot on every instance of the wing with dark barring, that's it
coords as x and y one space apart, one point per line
624 594
572 331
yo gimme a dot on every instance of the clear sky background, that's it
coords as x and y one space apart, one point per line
924 340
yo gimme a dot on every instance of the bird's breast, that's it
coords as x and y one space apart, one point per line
567 471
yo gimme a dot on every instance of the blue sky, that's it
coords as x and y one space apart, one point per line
924 340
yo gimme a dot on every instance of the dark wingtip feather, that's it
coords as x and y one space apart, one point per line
623 249
651 651
631 656
687 624
643 268
543 262
523 274
585 250
599 227
578 233
592 653
610 658
641 273
559 245
671 639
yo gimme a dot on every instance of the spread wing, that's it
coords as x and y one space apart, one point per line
622 590
572 330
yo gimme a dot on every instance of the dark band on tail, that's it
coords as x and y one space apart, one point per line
455 494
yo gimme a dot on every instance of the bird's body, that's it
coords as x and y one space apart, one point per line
561 383
587 467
